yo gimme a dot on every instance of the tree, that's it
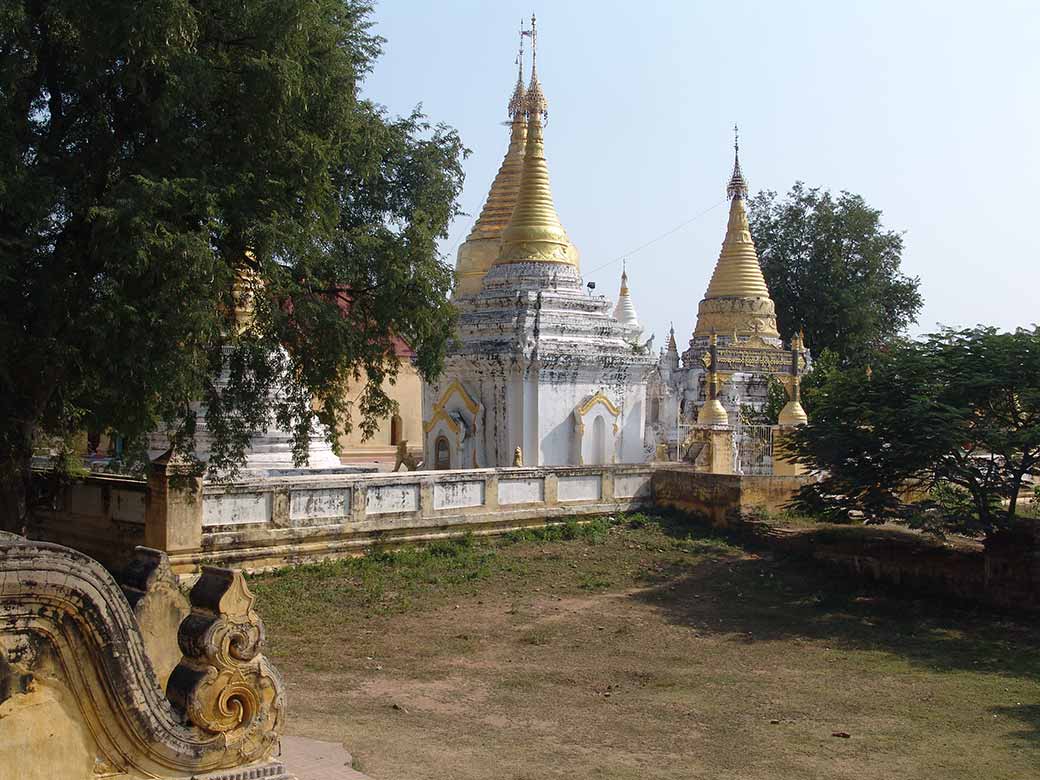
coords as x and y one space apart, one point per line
954 419
833 271
157 160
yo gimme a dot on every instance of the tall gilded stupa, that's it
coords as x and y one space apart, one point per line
737 300
481 247
542 372
734 352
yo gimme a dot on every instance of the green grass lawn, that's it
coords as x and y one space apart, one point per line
645 648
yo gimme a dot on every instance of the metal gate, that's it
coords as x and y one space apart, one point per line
754 450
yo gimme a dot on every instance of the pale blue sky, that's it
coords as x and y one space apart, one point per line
930 110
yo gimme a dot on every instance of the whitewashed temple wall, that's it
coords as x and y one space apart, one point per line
553 422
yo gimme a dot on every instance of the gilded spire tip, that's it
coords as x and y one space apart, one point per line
738 186
516 102
535 105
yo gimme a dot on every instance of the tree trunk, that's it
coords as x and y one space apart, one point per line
978 496
1016 486
16 483
15 479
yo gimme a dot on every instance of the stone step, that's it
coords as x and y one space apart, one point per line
311 759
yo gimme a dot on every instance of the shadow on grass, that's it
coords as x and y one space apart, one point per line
1029 714
756 597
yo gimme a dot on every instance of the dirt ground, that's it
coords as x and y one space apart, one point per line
645 650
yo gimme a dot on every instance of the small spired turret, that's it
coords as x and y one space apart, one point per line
625 310
670 353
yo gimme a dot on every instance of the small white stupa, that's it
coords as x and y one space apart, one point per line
625 310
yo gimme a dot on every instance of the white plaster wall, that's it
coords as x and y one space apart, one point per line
235 508
458 454
532 391
557 403
633 422
583 488
521 491
392 498
319 503
631 485
558 436
456 495
590 447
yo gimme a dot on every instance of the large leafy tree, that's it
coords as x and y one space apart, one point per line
940 432
155 158
833 271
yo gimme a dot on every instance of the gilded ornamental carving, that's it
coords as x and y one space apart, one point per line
71 641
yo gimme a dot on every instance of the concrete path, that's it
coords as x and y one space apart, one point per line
309 759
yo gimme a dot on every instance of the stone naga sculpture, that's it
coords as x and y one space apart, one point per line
78 694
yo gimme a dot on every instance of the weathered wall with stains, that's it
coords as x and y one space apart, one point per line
722 498
264 523
291 520
101 515
1004 572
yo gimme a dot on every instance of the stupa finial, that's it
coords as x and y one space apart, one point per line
535 104
737 187
516 102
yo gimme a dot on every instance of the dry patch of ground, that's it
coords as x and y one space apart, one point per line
645 649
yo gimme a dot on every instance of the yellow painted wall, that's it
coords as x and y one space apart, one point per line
407 391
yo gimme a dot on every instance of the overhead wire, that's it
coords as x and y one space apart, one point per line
626 255
652 241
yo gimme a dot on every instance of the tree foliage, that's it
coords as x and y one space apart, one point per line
833 271
151 151
940 432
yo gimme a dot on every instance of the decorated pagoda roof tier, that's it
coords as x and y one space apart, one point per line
541 311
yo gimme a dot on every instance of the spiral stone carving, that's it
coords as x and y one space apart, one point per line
224 684
72 658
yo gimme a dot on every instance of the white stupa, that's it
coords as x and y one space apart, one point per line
625 310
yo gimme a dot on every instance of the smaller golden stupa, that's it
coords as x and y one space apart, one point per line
737 300
534 233
477 254
712 412
793 414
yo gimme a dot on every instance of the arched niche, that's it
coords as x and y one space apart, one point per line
596 425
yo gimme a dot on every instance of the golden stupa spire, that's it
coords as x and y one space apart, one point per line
477 254
516 102
534 233
671 346
737 300
737 187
